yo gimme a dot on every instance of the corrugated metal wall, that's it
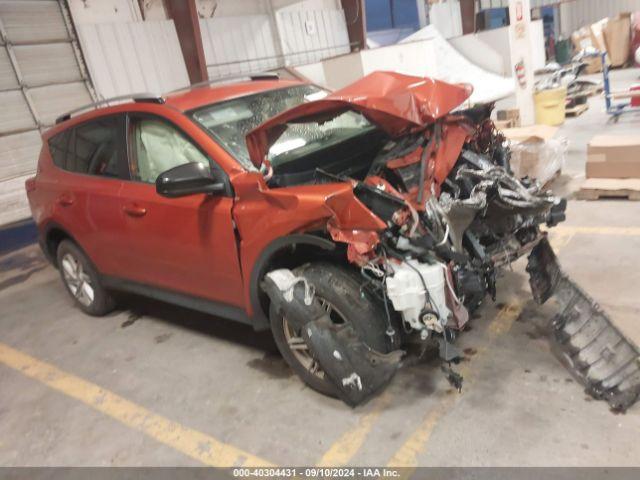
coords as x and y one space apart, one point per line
574 15
239 45
41 76
254 43
133 57
487 4
309 36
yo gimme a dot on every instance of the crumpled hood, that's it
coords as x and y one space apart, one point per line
396 103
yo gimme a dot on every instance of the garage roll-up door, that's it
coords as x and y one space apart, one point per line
41 76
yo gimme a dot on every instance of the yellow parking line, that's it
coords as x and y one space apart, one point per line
192 443
622 231
345 448
349 443
407 454
560 239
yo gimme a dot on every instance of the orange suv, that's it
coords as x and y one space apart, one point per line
354 224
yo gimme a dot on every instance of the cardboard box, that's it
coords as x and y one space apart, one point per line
503 124
597 35
535 153
541 132
581 39
617 36
594 64
613 156
511 115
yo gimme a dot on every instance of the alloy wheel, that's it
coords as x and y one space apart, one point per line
298 346
77 280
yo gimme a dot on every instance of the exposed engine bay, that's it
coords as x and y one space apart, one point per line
454 214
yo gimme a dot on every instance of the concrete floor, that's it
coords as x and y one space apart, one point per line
158 385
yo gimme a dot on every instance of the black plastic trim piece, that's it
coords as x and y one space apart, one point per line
211 307
157 100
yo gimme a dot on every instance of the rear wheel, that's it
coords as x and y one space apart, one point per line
82 281
339 293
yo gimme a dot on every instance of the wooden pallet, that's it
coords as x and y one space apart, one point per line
591 92
602 188
577 110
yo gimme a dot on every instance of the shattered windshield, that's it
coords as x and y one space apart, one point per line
229 123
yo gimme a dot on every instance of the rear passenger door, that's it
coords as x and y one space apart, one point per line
92 159
185 244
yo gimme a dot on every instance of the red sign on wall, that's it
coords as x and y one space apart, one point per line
519 11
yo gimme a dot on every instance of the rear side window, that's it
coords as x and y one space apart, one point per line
91 148
58 146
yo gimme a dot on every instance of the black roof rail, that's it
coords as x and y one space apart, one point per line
229 79
136 97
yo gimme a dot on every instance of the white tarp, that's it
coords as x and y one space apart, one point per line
453 67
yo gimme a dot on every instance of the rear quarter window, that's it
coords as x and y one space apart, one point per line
90 148
58 146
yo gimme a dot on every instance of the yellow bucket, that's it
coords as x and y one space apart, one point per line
550 106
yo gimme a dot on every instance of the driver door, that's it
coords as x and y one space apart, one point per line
186 244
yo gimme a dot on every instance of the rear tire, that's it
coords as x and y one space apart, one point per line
82 281
339 289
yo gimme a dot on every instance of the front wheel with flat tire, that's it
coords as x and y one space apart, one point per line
339 292
82 281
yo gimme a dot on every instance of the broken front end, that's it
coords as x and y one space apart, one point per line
454 214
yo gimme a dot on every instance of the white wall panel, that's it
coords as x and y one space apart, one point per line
252 43
19 154
48 63
486 4
446 17
238 45
133 57
498 41
8 78
15 112
13 200
308 36
38 63
581 13
33 21
52 100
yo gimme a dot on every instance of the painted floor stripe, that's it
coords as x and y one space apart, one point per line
347 446
350 442
192 443
407 454
622 231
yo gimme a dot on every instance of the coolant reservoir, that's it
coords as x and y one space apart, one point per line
407 294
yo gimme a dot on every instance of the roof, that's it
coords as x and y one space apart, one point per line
206 95
183 100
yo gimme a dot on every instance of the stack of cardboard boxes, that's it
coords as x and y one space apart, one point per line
610 35
613 168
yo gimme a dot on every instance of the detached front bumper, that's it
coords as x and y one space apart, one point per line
587 341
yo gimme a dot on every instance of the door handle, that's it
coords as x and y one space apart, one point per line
65 200
134 210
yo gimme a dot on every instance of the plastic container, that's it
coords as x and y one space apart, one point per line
550 106
563 51
406 290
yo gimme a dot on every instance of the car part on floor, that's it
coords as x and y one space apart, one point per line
591 347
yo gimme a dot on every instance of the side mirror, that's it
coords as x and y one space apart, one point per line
188 179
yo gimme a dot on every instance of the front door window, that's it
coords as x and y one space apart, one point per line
158 147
